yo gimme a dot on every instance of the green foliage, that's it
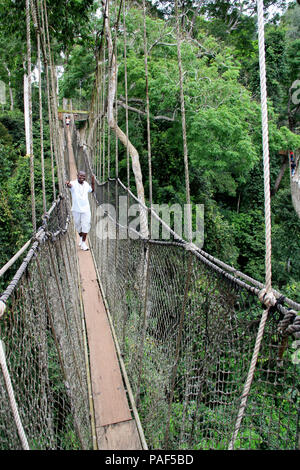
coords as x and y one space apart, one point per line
244 226
78 76
15 193
5 137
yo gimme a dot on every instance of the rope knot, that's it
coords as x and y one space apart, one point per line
34 238
267 298
290 324
190 246
49 236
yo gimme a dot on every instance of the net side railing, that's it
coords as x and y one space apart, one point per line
43 336
187 330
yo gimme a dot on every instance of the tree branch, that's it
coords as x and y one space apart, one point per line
143 113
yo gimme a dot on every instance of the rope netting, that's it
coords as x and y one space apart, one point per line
186 330
43 337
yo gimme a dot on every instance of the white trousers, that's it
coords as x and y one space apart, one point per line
82 221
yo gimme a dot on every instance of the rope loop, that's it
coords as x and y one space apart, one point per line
49 235
34 238
276 308
190 246
45 218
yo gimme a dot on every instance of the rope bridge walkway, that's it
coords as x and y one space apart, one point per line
114 426
141 342
186 329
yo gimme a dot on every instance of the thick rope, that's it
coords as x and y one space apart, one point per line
265 141
55 128
119 8
267 295
38 35
2 308
29 144
185 149
248 383
147 107
126 91
103 122
45 58
12 399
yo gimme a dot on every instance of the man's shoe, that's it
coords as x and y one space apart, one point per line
84 246
80 242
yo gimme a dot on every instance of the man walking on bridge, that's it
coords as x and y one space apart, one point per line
80 206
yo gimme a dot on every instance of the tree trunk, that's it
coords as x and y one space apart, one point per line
10 89
136 167
280 175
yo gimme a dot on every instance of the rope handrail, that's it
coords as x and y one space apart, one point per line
41 235
213 262
230 272
16 256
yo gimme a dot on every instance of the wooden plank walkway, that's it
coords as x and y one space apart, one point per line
115 427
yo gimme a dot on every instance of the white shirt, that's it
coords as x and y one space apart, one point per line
80 200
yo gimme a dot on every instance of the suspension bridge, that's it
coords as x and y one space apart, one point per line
139 343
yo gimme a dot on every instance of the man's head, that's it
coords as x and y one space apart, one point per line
81 177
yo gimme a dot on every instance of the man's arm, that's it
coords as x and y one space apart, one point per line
68 184
93 183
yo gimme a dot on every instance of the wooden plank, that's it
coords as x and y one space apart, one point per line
114 426
120 436
110 400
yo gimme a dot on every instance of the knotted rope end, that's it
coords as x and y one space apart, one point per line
267 298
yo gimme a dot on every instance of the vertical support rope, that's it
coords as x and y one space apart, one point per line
103 121
178 345
144 324
248 383
38 36
148 112
55 128
30 144
126 92
268 288
12 399
265 139
185 149
44 42
101 104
